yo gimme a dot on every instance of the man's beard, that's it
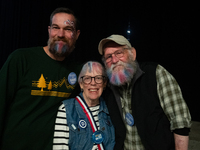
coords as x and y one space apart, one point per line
60 47
124 75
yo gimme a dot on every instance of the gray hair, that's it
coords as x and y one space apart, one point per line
91 66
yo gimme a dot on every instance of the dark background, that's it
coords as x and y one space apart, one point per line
161 31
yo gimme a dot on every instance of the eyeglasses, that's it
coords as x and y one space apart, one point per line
118 54
88 79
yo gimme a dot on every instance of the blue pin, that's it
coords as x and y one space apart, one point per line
129 119
98 137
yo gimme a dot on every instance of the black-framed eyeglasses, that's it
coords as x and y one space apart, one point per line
118 54
88 79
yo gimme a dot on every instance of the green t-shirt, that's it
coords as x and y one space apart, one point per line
32 86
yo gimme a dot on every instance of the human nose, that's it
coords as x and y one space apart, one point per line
61 33
114 58
93 81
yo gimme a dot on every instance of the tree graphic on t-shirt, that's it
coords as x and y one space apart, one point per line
50 85
42 83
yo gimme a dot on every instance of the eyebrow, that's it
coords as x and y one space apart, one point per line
54 25
66 27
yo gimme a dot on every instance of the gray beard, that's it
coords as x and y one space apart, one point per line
124 76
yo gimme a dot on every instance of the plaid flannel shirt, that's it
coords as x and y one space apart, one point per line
171 101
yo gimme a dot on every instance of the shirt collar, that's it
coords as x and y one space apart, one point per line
101 102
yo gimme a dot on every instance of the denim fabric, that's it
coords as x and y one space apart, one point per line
81 138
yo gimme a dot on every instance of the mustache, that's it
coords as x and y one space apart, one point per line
123 76
119 63
52 42
60 39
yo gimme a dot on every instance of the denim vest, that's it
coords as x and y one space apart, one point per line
81 138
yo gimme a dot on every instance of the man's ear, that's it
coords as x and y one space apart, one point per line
49 29
134 52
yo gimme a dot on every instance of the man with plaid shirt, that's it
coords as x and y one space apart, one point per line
144 101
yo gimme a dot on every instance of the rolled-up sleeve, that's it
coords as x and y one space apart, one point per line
171 100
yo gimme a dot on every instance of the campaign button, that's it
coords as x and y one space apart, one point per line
98 137
129 119
72 78
82 124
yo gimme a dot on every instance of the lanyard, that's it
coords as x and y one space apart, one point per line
90 118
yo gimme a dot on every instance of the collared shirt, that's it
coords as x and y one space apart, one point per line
61 133
68 131
171 101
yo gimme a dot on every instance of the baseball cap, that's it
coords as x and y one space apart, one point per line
119 39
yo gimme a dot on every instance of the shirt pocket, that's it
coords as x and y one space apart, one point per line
108 129
78 137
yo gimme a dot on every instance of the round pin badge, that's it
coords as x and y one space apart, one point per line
129 119
72 78
82 124
98 137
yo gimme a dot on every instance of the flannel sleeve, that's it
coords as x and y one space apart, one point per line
171 100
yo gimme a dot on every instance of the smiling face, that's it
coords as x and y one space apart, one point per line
111 48
120 63
62 34
93 90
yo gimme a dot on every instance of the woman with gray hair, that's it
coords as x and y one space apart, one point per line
83 122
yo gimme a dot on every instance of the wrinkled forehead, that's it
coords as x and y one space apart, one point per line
111 45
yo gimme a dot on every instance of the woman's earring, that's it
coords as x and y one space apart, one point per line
81 90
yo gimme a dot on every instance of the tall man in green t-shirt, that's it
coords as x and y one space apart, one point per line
33 82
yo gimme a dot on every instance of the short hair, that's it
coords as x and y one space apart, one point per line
67 11
91 66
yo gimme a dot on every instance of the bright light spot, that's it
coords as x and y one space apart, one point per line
128 31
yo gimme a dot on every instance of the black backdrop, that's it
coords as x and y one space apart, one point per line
161 31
